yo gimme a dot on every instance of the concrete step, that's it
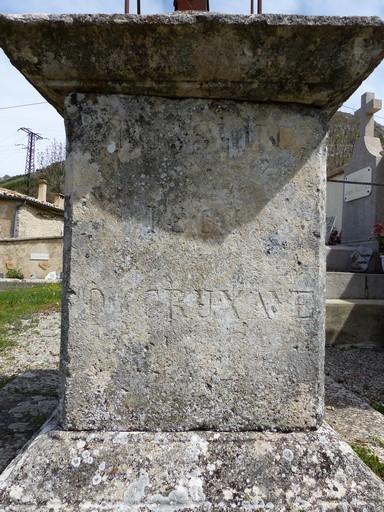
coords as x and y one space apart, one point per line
347 285
354 322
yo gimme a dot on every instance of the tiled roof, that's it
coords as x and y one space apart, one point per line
11 194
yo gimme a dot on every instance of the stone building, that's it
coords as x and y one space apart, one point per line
31 232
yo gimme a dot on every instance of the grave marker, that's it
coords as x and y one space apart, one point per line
364 204
330 222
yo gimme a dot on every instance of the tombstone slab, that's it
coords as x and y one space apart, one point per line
194 258
364 204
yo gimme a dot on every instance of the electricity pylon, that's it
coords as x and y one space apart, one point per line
30 161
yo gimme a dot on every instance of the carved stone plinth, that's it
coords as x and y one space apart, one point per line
194 261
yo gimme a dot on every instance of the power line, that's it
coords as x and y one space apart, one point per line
356 183
9 156
355 110
45 103
25 105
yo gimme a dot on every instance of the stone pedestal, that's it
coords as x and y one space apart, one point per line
194 262
195 296
190 471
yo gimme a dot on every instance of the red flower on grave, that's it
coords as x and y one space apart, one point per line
378 231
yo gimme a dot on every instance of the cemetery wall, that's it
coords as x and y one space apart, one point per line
37 256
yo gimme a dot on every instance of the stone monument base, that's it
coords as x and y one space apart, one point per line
189 471
338 258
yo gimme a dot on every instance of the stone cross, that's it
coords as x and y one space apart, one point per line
193 317
369 106
363 205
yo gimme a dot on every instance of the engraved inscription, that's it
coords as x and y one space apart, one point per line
270 302
177 305
97 301
305 304
205 302
236 140
206 222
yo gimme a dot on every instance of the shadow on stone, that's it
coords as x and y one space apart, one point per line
26 402
198 168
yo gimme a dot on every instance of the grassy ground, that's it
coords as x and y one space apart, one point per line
370 459
21 304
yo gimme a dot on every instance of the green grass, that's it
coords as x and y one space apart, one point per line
378 441
21 304
378 407
6 380
370 459
37 418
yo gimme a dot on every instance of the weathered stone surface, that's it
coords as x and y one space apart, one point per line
319 61
356 421
195 242
210 471
194 261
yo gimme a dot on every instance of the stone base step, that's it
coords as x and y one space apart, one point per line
347 285
199 471
354 322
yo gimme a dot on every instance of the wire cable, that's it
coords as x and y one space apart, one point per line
356 109
26 105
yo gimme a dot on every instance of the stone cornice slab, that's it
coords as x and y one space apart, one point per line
316 61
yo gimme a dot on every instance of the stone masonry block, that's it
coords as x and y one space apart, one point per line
196 299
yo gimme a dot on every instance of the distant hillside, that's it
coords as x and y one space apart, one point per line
50 163
343 132
54 174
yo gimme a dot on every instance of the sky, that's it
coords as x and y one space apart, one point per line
22 106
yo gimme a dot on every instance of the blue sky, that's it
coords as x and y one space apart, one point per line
43 119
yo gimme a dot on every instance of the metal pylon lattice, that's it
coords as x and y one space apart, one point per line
30 160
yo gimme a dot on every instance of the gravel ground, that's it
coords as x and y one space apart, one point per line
31 394
354 379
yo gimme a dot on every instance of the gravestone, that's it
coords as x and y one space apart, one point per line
364 204
193 318
329 224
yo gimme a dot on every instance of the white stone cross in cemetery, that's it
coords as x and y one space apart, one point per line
193 318
364 204
369 106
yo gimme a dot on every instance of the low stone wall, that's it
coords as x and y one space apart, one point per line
33 256
347 285
7 284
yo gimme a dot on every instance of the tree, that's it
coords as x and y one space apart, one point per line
343 132
51 166
54 153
